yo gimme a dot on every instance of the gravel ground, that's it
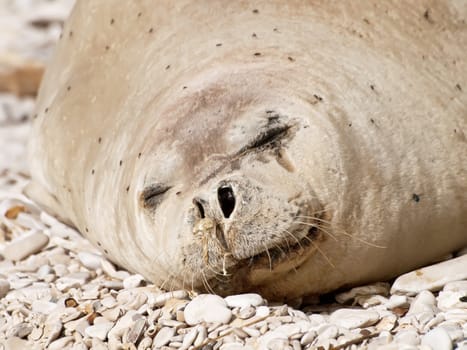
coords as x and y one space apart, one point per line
58 292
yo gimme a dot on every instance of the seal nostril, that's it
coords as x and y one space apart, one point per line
200 207
226 200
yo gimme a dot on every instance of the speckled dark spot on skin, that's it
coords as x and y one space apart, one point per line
86 229
34 116
106 251
366 21
219 44
185 87
291 59
139 155
275 30
46 110
150 30
68 88
139 14
99 140
70 34
178 193
60 36
427 16
93 171
257 54
128 188
107 47
416 197
372 120
254 35
120 163
99 244
112 21
255 11
167 67
458 87
350 125
319 98
372 87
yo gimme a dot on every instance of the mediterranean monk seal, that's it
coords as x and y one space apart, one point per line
282 147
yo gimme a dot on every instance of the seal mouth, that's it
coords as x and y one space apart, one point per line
288 251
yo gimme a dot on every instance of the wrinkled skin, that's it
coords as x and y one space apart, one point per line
289 148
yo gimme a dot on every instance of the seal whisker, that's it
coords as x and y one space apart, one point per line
319 227
341 231
269 256
321 252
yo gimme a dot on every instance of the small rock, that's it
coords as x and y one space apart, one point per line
163 337
369 290
353 318
4 288
43 307
207 308
244 300
262 311
432 277
99 330
132 281
437 339
25 245
408 337
90 260
424 302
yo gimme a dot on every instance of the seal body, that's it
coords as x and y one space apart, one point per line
287 148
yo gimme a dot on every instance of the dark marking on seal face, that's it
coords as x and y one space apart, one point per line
416 197
268 137
152 195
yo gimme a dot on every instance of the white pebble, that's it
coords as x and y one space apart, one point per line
163 337
132 281
99 330
262 311
432 277
25 245
244 300
437 339
4 288
90 260
354 318
207 308
424 302
43 307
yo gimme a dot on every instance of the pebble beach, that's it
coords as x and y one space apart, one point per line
57 291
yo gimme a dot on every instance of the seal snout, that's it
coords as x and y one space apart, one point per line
211 214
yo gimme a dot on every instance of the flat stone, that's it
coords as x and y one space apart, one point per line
437 339
207 308
99 330
244 300
354 318
25 245
132 281
432 277
4 288
424 302
163 337
90 260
